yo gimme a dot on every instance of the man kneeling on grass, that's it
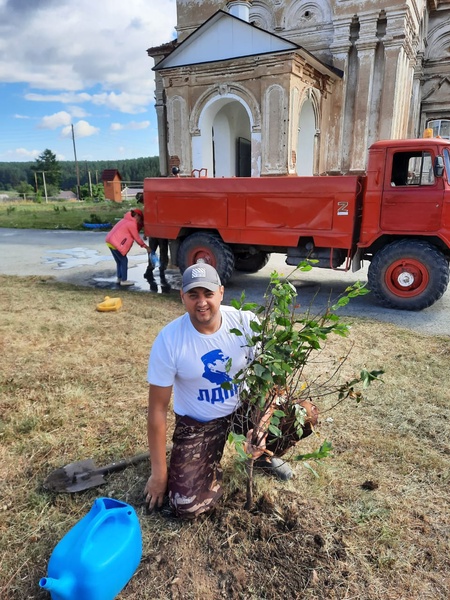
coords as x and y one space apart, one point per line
192 355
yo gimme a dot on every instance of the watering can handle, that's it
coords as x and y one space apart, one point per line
102 516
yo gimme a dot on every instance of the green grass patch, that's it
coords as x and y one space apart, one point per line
61 215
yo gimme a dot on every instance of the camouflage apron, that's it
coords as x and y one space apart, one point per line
195 474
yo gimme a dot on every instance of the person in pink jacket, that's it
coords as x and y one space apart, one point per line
120 240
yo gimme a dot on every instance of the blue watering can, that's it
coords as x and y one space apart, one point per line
98 556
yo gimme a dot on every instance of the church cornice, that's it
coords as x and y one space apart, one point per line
163 50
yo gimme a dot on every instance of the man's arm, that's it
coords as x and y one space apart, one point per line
158 405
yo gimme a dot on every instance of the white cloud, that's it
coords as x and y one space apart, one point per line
84 63
77 112
133 125
59 119
22 154
83 44
64 98
125 102
81 129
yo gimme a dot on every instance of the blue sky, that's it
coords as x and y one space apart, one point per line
82 63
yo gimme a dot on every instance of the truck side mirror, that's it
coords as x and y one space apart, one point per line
438 166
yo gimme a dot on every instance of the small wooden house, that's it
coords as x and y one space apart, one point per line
112 184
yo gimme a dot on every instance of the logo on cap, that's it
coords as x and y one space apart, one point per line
201 275
198 272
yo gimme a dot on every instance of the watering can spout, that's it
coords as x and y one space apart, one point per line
60 589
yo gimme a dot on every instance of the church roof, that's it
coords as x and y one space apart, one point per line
225 37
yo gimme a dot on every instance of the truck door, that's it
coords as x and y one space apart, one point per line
412 195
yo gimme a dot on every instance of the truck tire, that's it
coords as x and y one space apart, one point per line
207 248
408 275
251 263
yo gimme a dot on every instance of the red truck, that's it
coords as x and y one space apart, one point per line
396 216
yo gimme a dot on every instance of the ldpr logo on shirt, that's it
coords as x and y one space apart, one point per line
216 370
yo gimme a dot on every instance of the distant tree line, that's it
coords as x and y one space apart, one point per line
16 174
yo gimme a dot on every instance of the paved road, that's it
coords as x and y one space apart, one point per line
81 258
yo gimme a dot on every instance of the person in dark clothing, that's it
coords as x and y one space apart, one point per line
163 245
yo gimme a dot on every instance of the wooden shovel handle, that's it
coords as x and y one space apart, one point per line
122 464
126 462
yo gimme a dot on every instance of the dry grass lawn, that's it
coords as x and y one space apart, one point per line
374 526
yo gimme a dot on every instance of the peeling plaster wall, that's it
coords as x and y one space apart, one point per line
192 13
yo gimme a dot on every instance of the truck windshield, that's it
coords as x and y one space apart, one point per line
412 168
447 163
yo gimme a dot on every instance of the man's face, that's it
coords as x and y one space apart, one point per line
203 307
219 365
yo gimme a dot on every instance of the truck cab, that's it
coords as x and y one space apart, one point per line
408 191
405 226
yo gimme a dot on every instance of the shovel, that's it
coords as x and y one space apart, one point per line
84 474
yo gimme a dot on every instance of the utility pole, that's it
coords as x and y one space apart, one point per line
76 165
88 173
45 185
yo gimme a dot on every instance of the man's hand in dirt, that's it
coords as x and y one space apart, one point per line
154 492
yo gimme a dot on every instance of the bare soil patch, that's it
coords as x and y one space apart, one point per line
375 525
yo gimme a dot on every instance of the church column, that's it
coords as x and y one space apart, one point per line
365 44
363 103
398 76
396 92
332 146
415 128
178 136
274 120
161 119
389 102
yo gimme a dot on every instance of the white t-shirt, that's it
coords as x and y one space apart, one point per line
195 364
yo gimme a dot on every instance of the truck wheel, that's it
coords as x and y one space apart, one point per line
409 275
251 263
207 248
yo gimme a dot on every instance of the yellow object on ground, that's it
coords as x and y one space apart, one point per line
109 304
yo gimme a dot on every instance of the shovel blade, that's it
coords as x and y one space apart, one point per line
75 477
84 474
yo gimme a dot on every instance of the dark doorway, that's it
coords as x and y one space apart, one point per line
244 153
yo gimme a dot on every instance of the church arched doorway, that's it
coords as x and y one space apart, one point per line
306 139
224 146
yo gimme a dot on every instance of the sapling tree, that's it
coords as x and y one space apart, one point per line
280 381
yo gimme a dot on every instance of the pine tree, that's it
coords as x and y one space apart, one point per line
47 163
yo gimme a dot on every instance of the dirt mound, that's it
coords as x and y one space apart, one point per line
274 551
